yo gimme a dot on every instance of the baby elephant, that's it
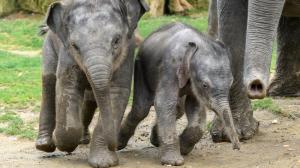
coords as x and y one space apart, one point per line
175 62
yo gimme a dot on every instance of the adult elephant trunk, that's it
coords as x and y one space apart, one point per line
263 19
99 72
222 108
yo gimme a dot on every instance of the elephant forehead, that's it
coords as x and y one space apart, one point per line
99 16
97 12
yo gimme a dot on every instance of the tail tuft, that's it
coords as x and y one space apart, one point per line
43 29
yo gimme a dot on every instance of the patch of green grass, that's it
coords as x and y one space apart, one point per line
20 80
12 124
266 104
274 58
20 34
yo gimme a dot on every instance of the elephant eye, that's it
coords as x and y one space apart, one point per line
205 85
116 42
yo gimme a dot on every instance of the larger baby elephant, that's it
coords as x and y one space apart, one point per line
90 45
173 62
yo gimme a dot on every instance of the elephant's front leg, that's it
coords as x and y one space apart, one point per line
165 105
196 116
120 87
69 96
100 155
180 112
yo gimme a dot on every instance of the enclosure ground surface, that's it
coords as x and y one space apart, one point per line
277 145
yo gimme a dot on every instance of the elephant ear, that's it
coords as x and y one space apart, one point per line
183 71
135 10
54 20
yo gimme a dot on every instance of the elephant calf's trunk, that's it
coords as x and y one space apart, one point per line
99 72
223 111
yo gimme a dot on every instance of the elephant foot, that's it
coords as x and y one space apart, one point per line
103 158
123 141
171 157
67 140
124 136
154 137
189 138
45 144
86 138
246 129
285 87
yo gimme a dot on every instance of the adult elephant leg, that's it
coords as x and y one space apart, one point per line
196 116
88 110
232 15
44 140
286 82
213 19
142 101
180 112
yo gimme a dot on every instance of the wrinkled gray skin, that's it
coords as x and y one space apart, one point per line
248 28
88 52
176 62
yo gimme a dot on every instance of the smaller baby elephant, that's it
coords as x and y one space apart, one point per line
174 63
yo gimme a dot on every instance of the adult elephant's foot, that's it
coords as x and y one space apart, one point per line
171 157
45 143
103 158
246 129
285 87
154 137
86 138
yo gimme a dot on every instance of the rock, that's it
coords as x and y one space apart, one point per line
275 121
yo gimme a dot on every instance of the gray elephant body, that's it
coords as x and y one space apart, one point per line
88 55
248 28
175 62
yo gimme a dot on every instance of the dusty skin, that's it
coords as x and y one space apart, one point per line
276 146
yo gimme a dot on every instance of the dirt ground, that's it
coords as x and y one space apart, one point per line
277 145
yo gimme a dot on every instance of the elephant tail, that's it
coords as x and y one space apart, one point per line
43 29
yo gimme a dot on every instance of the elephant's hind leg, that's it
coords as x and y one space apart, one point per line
142 101
286 81
88 110
44 140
